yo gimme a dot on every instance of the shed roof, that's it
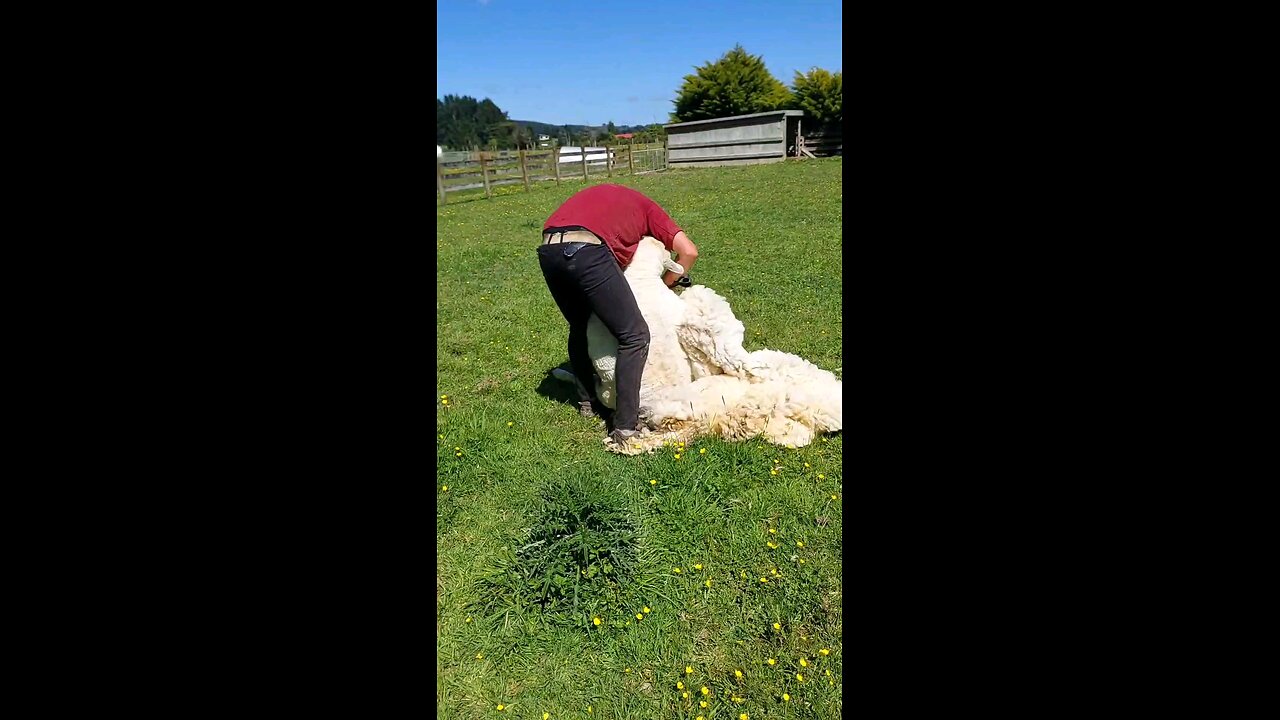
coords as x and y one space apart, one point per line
788 113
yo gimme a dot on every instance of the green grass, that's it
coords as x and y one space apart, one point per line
769 238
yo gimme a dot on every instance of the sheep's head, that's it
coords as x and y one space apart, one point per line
651 259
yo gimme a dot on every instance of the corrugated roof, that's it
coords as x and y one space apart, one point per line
788 113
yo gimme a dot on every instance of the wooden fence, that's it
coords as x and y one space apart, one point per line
825 141
490 169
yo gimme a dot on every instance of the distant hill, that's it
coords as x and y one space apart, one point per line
541 128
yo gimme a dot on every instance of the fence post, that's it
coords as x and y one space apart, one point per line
631 156
608 160
584 158
524 170
440 182
484 175
555 161
666 161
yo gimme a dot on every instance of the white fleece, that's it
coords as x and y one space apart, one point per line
699 380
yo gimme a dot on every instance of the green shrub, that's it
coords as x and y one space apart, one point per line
821 95
736 84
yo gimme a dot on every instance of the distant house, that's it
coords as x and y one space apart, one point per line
544 141
625 136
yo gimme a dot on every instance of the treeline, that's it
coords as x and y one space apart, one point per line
464 123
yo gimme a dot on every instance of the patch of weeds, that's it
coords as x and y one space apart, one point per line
579 554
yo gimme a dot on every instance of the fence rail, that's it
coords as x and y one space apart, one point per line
459 171
822 142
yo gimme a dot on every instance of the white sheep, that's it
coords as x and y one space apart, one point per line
662 310
698 379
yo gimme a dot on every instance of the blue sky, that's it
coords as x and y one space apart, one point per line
586 63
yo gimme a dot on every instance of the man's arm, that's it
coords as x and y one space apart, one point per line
686 254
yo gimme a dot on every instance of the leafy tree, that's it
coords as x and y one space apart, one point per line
736 84
462 122
611 129
821 95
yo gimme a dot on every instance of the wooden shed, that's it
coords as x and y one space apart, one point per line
739 140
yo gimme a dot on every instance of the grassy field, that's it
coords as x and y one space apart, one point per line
714 570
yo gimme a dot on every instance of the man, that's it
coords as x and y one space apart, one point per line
586 244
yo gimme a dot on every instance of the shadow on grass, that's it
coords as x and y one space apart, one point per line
558 390
563 392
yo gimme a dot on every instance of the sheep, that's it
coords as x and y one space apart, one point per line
662 309
699 380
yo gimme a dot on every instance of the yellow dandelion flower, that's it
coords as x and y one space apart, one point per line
684 695
804 637
479 656
596 621
645 610
824 439
777 626
737 674
772 545
828 673
705 691
703 451
799 677
708 583
772 530
824 652
509 423
444 397
546 715
744 574
653 482
806 464
468 620
775 571
501 706
444 402
833 497
743 716
457 454
677 456
589 709
700 717
737 699
697 566
804 663
676 571
679 685
445 488
799 544
689 671
801 561
639 616
786 697
821 476
702 703
773 472
764 579
771 661
627 670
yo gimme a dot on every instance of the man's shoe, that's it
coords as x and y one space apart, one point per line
585 409
620 436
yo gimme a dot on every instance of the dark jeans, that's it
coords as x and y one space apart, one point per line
584 279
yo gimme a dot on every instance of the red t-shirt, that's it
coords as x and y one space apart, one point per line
618 215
